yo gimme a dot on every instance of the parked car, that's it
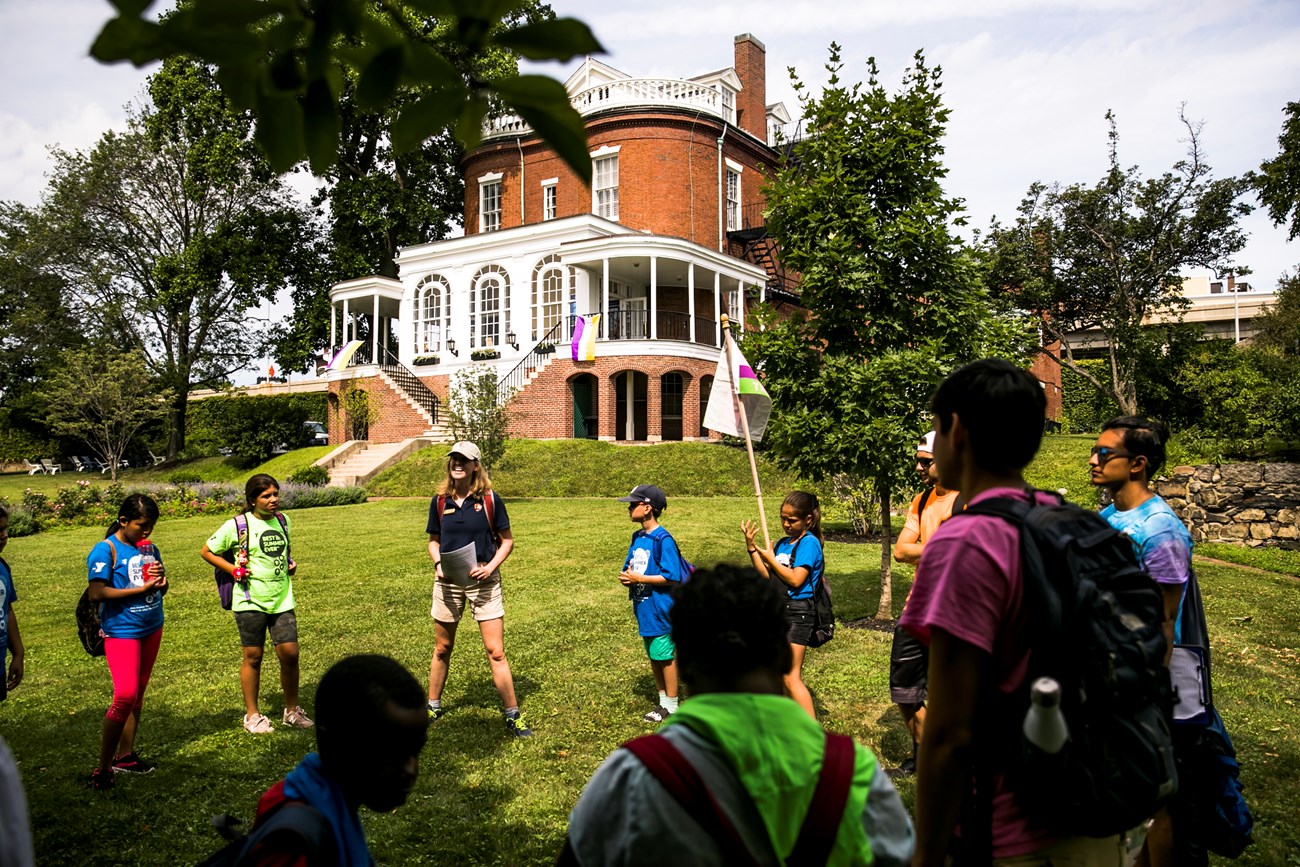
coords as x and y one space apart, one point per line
315 434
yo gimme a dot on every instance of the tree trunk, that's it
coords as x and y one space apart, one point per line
885 611
176 418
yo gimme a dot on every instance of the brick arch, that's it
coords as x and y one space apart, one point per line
584 407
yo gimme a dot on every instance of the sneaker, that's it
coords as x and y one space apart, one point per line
906 768
132 764
101 781
297 718
435 712
258 724
517 727
657 715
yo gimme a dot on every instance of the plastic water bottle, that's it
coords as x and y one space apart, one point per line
148 559
1045 725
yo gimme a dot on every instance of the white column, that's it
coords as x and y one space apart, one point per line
332 329
346 338
604 299
690 299
654 297
740 303
374 332
717 308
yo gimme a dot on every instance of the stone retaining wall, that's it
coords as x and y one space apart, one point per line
1248 504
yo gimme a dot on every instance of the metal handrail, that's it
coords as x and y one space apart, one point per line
411 384
517 378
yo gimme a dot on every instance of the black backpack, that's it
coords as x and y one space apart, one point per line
92 639
823 612
292 818
1094 619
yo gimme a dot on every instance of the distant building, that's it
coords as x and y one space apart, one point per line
667 238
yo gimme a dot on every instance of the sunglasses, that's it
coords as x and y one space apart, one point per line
924 462
1104 454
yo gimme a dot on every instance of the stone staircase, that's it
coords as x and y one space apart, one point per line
357 462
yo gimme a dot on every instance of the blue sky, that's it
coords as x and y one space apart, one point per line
1028 81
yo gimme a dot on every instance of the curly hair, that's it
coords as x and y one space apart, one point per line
1142 436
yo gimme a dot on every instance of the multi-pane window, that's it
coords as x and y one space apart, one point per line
489 206
489 307
728 103
733 201
734 298
548 202
604 187
432 314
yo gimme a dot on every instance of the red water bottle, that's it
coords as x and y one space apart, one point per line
148 560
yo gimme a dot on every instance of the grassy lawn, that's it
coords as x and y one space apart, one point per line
363 585
214 469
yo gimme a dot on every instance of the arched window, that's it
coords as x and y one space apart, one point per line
432 314
489 307
550 295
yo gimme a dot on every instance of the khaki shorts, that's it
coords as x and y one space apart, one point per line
483 597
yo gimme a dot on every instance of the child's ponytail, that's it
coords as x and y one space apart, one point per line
807 505
133 508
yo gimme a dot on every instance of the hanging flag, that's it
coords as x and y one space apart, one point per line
344 355
735 386
585 331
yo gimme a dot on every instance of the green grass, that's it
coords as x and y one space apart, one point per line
1272 559
213 469
587 468
363 585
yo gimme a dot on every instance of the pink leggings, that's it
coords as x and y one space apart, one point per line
130 662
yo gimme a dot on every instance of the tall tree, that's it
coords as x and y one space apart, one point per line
379 199
860 212
1278 181
104 397
1109 256
36 322
173 231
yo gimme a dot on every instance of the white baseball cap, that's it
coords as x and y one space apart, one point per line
926 446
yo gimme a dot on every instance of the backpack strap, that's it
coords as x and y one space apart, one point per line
821 824
241 536
490 509
925 498
288 545
678 776
958 504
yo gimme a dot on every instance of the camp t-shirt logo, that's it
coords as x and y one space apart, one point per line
273 543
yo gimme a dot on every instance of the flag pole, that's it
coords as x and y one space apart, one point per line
744 424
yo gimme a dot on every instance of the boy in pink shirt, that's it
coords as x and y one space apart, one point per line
967 606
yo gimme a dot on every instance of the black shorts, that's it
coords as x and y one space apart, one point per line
799 614
253 626
909 660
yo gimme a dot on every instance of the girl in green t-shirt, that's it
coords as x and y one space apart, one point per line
263 596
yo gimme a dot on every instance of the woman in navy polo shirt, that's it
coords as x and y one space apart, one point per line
466 511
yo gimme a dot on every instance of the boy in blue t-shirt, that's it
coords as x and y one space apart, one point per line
11 643
649 580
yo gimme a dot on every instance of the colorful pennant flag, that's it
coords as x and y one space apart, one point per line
736 386
585 331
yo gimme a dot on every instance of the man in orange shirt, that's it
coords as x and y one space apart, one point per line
908 658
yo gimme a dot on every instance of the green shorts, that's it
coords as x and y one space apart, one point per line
659 648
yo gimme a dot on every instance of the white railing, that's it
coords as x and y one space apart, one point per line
627 92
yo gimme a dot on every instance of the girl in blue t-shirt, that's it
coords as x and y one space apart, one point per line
798 562
127 578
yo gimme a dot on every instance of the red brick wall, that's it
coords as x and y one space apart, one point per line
668 174
1048 372
751 102
544 410
397 420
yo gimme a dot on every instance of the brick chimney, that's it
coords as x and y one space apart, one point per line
751 102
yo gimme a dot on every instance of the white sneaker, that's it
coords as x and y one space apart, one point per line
258 724
294 716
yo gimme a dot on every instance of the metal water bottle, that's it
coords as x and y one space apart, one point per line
1045 725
